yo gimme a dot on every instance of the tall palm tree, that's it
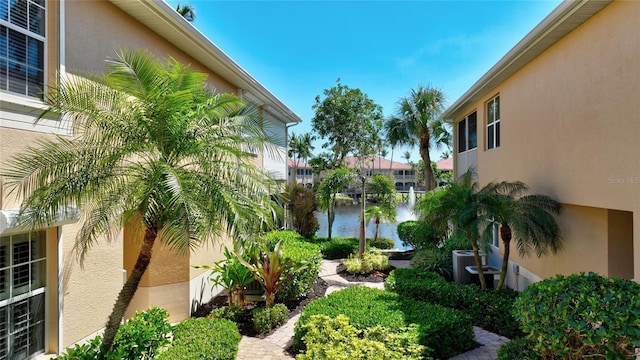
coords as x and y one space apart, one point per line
395 133
462 204
418 115
155 149
378 215
187 11
529 219
294 153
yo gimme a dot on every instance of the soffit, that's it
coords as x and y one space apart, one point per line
161 18
564 19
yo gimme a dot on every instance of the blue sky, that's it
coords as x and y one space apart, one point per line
296 49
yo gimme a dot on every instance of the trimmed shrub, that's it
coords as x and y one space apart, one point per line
382 243
233 313
329 338
487 309
371 260
296 248
446 331
342 248
418 234
518 349
265 319
139 337
581 316
203 338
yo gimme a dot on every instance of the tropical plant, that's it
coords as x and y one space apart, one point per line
462 204
529 219
336 181
153 148
233 276
270 268
302 205
188 12
378 215
418 122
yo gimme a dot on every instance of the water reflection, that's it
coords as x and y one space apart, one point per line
347 223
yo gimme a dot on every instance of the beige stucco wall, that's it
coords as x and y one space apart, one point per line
569 125
96 28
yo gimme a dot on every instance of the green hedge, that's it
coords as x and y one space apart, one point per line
295 247
518 349
203 338
490 310
445 331
265 319
418 234
341 248
581 316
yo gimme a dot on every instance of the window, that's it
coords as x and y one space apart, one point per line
22 37
495 238
493 123
468 133
22 291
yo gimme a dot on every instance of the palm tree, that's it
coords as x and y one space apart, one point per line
328 190
294 153
154 149
527 218
379 215
395 134
418 120
462 204
187 11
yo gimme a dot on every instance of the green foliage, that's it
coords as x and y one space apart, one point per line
490 310
371 260
382 243
580 316
203 338
302 206
418 234
348 120
233 313
140 337
297 249
438 259
342 248
446 331
232 275
267 318
329 338
518 349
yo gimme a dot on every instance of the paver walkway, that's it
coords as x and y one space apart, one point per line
272 347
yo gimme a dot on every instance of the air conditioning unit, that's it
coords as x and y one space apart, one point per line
462 258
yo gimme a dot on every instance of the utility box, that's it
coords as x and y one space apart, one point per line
461 259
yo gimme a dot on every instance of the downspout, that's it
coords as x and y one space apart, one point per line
287 222
60 261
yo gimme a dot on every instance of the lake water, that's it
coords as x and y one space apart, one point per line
347 223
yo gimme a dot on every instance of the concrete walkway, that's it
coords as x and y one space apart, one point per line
272 347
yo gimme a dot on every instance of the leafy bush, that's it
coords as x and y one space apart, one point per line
371 260
329 338
140 337
438 259
446 331
487 309
302 205
233 313
418 234
342 248
265 319
296 248
580 316
232 275
518 349
382 243
203 338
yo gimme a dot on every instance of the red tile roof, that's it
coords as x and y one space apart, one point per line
378 163
445 164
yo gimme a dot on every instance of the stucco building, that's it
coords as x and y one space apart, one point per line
47 302
560 112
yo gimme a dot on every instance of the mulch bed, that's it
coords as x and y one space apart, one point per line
245 325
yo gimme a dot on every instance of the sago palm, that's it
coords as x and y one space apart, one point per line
529 219
153 148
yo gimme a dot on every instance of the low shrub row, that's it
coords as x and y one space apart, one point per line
444 331
371 260
342 248
328 338
265 319
490 310
203 338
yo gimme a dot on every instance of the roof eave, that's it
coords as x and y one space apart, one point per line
162 19
561 21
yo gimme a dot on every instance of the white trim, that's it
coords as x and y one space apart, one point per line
65 215
60 285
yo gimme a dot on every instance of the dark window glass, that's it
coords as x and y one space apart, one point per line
462 136
490 137
473 131
498 134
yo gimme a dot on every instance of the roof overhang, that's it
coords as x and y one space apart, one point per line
65 215
162 19
562 20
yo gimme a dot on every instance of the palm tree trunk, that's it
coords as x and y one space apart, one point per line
375 236
505 234
429 181
128 291
476 256
331 215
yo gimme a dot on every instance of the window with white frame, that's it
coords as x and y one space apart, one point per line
468 133
22 38
22 295
493 123
495 239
